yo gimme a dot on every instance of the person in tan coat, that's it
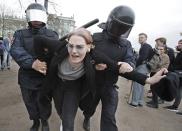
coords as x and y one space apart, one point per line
160 60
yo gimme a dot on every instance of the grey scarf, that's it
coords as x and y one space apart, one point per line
67 72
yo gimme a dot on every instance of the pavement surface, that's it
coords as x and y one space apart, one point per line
14 117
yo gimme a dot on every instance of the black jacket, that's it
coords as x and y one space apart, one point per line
145 54
167 88
57 51
178 61
117 50
170 53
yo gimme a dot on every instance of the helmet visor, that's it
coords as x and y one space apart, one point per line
117 28
36 15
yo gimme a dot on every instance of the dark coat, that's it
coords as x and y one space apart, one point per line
57 51
117 50
178 61
145 54
170 53
178 66
167 88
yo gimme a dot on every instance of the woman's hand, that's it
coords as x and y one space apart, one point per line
124 67
39 66
157 77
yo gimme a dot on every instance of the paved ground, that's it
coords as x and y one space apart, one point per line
13 115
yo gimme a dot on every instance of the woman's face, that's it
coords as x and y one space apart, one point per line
161 50
77 48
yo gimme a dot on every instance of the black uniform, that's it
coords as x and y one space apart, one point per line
29 80
118 50
118 25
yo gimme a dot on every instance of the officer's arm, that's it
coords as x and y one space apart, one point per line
19 54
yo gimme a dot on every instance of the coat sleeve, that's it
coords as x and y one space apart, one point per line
44 45
100 57
135 76
18 52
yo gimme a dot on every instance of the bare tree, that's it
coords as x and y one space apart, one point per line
5 12
46 5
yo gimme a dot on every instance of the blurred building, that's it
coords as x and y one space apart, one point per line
62 25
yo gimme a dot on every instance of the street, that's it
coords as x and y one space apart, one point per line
14 117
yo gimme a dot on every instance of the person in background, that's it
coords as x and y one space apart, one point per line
29 77
7 44
145 54
1 53
170 52
162 62
162 41
178 69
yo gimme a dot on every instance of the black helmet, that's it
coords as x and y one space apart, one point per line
36 12
120 21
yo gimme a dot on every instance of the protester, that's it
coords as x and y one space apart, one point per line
7 44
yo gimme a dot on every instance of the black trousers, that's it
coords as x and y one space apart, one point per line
37 107
30 98
109 98
66 98
179 95
154 94
1 61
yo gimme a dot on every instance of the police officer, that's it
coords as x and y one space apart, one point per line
31 71
111 42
